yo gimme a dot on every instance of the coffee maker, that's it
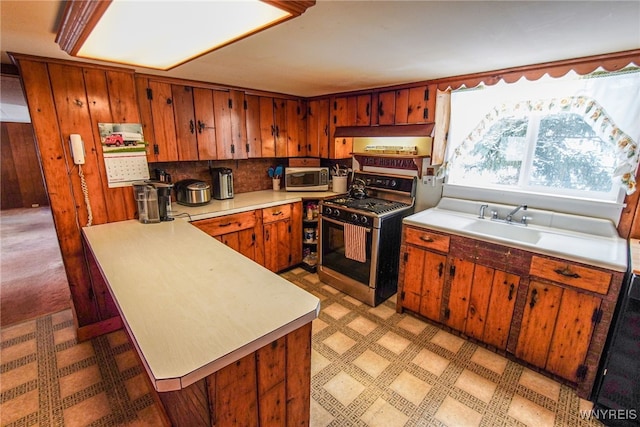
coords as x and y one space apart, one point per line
153 200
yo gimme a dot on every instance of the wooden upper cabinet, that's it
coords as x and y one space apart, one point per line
386 108
230 118
205 123
164 146
273 126
185 123
254 138
363 110
414 105
318 128
296 116
352 110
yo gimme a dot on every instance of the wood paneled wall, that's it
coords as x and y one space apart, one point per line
21 180
66 98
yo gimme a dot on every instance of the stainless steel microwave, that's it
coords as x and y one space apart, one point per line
306 179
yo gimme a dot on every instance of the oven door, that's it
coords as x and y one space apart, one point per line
332 252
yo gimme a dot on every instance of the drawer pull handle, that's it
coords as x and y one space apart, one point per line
511 289
225 224
567 273
276 213
534 298
427 239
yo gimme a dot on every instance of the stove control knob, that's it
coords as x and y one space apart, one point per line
327 211
354 217
336 212
364 220
393 183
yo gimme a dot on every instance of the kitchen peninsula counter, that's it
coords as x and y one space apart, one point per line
193 308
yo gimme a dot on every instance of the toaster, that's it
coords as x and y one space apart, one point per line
222 179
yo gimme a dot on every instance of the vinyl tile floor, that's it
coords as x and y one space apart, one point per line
370 367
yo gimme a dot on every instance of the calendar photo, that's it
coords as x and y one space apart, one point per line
124 152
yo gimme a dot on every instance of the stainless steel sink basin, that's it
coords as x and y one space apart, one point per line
504 231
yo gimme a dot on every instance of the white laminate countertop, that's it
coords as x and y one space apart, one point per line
245 201
191 304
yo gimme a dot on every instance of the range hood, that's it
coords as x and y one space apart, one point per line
384 131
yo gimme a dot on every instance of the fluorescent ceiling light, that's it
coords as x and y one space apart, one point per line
164 34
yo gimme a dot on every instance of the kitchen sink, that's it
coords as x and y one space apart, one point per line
504 230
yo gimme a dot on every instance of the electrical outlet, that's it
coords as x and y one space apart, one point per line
429 179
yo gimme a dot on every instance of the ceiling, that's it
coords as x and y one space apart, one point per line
340 46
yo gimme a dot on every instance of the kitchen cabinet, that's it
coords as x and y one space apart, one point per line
181 119
415 105
318 128
230 119
273 126
422 272
296 122
282 236
156 100
352 110
242 232
254 138
558 321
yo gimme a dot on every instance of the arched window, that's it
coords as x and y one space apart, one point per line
571 137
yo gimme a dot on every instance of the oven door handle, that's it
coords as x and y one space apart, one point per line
342 223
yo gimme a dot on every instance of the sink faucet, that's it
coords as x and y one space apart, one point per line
513 212
482 208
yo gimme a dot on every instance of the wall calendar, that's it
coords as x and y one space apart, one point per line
124 153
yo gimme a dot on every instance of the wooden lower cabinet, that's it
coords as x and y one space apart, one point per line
282 236
242 232
548 312
269 387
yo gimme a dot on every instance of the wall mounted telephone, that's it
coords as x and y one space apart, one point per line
77 149
78 154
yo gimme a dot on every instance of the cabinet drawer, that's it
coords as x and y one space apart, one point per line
276 213
427 239
227 224
571 274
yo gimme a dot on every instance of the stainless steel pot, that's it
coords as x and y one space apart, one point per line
192 192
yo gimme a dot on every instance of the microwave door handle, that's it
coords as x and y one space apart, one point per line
297 174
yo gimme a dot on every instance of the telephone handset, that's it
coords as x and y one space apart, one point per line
77 152
77 149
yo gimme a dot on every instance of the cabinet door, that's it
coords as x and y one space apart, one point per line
296 128
232 240
324 134
421 104
342 148
184 115
247 243
433 283
479 301
363 110
254 137
500 311
572 336
341 112
313 128
205 123
238 124
280 117
222 115
165 146
386 108
402 107
267 127
276 245
414 260
538 321
461 274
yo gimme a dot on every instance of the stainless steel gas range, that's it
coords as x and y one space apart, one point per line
360 233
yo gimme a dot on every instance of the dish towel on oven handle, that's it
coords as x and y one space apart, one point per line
355 242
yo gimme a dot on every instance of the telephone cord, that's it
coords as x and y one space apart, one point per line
85 192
